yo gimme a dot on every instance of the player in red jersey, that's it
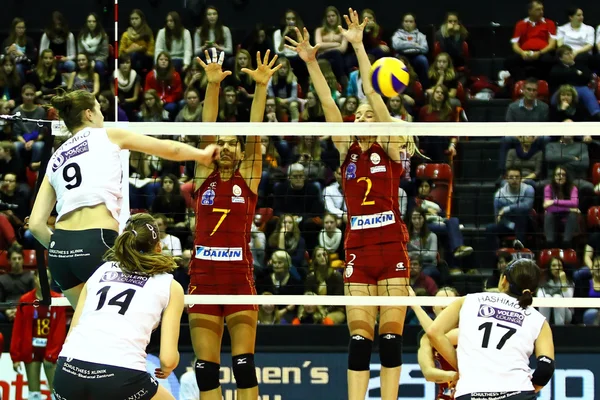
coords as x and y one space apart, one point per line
434 367
377 262
222 261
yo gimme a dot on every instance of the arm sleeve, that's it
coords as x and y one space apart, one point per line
228 45
17 336
277 42
423 43
102 53
197 43
294 93
44 43
330 205
517 33
525 202
188 51
160 45
538 159
573 202
554 154
71 51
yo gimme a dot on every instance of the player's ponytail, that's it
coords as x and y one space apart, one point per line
136 248
70 107
523 277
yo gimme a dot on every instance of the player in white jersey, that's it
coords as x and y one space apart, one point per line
84 179
104 356
498 332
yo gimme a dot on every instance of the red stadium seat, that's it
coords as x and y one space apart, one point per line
436 172
596 174
437 49
593 217
568 256
138 211
31 177
417 88
4 263
460 93
266 214
29 259
522 253
543 90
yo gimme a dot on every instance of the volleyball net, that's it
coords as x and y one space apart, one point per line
447 201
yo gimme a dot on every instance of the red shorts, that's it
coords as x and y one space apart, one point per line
38 352
211 278
375 263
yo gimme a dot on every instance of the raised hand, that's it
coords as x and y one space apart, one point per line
264 69
212 67
354 33
305 51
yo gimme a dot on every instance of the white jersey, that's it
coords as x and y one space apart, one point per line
495 340
86 171
119 314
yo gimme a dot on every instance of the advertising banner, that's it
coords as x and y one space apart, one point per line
322 376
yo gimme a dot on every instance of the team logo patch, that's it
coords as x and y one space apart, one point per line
351 171
348 271
213 185
235 199
379 168
61 159
237 191
400 266
514 317
375 159
372 220
120 277
208 197
354 157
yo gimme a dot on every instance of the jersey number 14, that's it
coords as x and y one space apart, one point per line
121 300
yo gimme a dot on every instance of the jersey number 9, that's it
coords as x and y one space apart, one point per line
72 172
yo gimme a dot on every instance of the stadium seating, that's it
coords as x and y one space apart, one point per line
543 90
568 256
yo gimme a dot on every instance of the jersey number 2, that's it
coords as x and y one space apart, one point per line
369 186
72 172
124 304
487 327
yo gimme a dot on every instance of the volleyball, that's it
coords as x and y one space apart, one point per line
389 76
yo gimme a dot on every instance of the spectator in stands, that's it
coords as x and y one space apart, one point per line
513 203
577 35
410 96
503 259
171 245
258 246
167 83
438 224
439 109
196 78
442 73
325 280
578 75
274 111
267 315
573 157
409 42
561 202
451 36
284 86
231 109
422 284
528 108
170 202
130 85
330 237
591 315
423 243
567 107
349 108
334 199
312 314
138 41
258 41
192 111
373 34
84 77
58 38
106 99
212 33
14 284
331 79
10 162
38 334
10 194
5 125
333 44
287 237
93 42
28 135
526 158
313 111
397 110
308 154
240 80
46 77
10 83
556 284
20 47
175 40
533 41
291 19
281 282
355 87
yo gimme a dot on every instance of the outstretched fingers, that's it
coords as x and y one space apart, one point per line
273 61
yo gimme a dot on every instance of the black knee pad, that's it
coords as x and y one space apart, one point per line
359 353
244 371
390 350
207 375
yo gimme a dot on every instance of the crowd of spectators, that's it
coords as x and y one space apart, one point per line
298 232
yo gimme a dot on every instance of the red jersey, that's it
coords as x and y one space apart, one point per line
37 329
370 184
534 35
444 392
224 217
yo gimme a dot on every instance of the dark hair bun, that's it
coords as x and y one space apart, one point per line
61 103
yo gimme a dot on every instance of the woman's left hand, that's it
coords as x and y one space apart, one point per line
264 69
354 33
548 203
212 67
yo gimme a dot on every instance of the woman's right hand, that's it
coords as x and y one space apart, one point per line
304 49
212 67
354 33
210 154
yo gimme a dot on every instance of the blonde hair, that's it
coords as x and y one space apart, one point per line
449 74
290 77
319 314
568 89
